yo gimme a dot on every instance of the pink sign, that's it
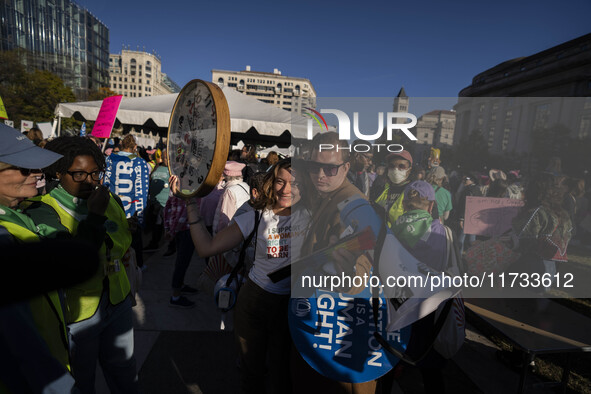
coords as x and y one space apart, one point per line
490 216
106 117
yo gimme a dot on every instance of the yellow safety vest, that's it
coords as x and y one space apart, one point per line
396 210
47 309
82 300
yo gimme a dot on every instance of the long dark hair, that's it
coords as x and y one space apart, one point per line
268 197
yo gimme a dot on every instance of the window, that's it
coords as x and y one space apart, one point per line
125 79
426 135
147 81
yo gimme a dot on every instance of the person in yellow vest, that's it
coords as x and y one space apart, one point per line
389 194
33 340
98 311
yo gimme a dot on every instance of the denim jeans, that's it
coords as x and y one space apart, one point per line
184 253
107 337
462 240
262 334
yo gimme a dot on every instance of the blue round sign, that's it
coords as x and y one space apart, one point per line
334 334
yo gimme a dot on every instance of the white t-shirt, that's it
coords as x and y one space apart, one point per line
273 245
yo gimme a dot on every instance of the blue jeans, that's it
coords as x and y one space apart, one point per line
107 337
462 238
184 253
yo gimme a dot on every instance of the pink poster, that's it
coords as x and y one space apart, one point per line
490 216
106 117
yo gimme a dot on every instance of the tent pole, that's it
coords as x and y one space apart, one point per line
59 125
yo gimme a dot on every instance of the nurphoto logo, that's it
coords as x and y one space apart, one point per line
392 121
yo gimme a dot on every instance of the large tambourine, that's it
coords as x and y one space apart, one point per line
198 137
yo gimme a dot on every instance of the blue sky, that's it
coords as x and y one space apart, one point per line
346 48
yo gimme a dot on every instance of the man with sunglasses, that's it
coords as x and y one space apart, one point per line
390 192
327 170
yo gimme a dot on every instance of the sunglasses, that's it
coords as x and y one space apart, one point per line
26 171
81 176
328 169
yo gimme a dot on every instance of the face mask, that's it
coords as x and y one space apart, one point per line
397 176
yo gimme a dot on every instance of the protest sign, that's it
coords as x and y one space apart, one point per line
9 123
106 117
490 216
26 125
3 114
333 332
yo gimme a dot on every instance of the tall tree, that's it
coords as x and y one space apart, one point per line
30 95
472 151
101 94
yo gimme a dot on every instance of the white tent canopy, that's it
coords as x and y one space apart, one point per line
245 113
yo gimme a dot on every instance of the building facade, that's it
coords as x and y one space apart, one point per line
436 128
138 74
523 100
289 93
58 36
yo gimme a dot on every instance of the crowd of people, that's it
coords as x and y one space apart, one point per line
263 214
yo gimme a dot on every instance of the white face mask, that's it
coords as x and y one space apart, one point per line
397 176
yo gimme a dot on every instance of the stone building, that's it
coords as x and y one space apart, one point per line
288 93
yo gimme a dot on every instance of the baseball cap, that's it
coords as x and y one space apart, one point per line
438 172
402 154
17 150
423 188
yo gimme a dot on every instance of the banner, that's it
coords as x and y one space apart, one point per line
106 117
9 123
26 125
3 114
490 216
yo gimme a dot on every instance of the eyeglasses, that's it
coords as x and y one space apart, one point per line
80 176
25 171
328 169
400 166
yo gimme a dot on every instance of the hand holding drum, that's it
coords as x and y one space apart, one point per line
198 138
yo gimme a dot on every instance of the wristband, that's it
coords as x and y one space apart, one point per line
199 219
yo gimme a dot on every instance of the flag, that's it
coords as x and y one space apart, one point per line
3 114
83 129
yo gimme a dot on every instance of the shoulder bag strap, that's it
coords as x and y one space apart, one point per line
240 263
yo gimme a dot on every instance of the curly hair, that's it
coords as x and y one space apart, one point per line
70 148
268 197
543 191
